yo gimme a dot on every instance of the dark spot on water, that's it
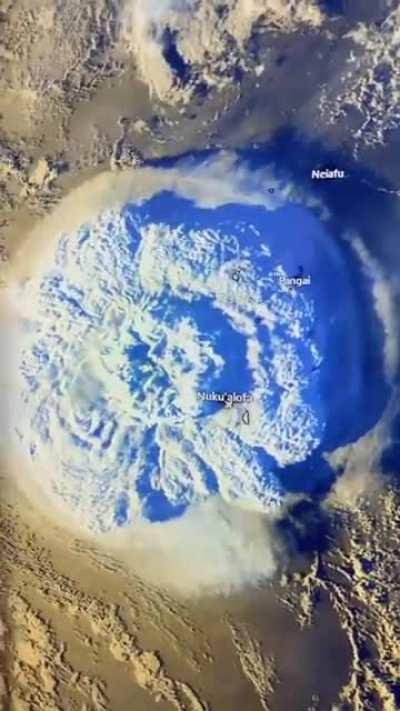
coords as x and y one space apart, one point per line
282 59
211 480
366 650
238 74
390 460
333 7
367 565
396 692
139 352
314 476
159 508
121 510
99 429
306 528
172 56
155 122
221 11
201 90
383 73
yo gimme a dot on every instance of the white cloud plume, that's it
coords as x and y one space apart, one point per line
359 463
210 37
214 548
384 291
222 178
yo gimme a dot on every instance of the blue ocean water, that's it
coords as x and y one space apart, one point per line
333 7
346 391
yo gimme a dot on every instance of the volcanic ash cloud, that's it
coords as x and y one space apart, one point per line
208 39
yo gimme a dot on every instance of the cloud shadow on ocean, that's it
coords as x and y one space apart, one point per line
306 528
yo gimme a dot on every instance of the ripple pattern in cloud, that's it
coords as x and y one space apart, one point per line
147 317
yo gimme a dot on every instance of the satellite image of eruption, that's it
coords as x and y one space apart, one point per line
199 322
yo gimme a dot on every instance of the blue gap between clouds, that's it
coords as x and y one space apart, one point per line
350 381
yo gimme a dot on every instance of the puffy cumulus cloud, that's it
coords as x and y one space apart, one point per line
180 43
370 83
221 178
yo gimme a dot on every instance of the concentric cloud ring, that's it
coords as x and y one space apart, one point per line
149 314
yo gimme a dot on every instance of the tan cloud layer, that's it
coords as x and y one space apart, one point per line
211 40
